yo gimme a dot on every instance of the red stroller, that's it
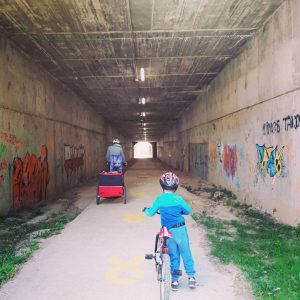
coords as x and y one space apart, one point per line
111 185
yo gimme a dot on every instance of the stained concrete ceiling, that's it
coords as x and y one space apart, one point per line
97 47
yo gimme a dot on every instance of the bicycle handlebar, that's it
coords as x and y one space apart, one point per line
158 212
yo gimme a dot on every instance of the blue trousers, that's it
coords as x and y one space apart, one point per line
179 246
113 168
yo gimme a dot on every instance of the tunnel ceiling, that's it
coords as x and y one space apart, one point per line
97 47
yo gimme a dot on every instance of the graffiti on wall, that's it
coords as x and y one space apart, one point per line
73 158
289 122
230 160
11 139
30 179
270 160
273 127
16 144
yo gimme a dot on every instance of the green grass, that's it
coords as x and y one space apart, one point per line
19 239
266 251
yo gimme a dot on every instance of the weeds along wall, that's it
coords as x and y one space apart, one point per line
50 139
243 132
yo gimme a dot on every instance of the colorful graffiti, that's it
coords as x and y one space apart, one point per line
270 160
73 158
30 179
230 160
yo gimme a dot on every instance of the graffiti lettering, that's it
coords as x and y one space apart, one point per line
273 127
73 158
270 160
230 160
30 179
292 122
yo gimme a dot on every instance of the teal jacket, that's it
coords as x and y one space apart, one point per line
171 207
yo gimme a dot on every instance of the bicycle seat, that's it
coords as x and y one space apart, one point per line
164 232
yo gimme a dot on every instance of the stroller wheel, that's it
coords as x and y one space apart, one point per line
98 200
124 195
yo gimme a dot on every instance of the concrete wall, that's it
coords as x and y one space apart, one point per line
249 120
50 139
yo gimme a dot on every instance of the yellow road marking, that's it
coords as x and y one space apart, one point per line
134 218
137 194
125 272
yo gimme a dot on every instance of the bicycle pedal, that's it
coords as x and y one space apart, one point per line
149 256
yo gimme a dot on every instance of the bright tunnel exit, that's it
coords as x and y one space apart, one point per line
142 150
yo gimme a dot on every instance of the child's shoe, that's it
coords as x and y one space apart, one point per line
175 285
192 282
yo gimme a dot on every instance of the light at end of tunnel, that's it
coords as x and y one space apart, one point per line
142 74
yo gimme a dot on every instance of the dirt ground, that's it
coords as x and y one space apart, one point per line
216 281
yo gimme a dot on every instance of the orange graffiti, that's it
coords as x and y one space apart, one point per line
230 160
30 179
17 183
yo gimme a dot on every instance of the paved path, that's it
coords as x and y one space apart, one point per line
100 255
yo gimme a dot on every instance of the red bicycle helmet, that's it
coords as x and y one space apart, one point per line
169 181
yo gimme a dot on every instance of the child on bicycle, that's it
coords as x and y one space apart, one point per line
172 207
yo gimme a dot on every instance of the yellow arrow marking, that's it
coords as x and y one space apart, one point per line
137 194
134 218
125 272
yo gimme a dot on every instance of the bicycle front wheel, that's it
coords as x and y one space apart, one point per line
165 277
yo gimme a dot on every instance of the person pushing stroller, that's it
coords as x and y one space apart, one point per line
115 157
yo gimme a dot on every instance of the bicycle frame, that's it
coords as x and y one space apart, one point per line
160 248
162 262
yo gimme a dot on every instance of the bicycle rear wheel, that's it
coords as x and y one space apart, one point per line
165 277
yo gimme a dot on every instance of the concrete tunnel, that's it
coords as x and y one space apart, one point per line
213 85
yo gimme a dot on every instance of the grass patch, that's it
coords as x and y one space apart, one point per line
266 251
19 238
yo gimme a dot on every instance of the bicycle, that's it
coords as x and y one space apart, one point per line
162 262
